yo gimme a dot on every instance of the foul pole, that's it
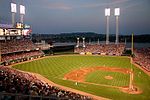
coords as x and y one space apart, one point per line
131 73
132 43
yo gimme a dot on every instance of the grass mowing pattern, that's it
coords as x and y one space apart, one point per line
55 67
98 77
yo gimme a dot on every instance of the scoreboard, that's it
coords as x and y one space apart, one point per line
18 30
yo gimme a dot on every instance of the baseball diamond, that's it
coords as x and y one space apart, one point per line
74 50
80 72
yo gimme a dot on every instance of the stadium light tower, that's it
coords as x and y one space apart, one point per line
13 11
107 14
22 13
117 14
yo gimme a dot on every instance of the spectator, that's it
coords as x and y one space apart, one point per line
18 49
13 81
107 49
142 58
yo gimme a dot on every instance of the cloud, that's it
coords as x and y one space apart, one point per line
119 1
55 5
92 5
66 6
59 6
111 2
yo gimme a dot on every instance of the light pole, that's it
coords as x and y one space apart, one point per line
78 42
98 41
83 42
117 14
22 13
107 14
13 11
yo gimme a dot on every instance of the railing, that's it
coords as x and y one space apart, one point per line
14 96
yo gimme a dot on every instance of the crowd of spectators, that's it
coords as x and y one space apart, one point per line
13 81
142 58
18 49
20 55
103 49
16 45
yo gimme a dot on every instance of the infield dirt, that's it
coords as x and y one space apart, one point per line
80 74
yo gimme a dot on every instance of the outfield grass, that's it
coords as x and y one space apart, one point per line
55 67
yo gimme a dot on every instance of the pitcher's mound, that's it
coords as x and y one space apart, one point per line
108 77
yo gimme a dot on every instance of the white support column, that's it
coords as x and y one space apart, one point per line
117 14
21 18
107 29
125 41
117 29
83 42
13 11
13 19
89 41
78 42
107 14
22 13
98 41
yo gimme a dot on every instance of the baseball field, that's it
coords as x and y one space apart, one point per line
103 76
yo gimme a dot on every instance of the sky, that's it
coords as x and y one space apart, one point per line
59 16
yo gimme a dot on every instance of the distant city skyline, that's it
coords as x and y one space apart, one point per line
60 16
